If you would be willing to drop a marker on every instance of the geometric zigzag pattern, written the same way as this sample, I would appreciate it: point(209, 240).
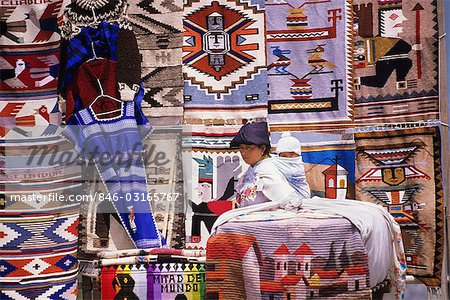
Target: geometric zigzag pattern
point(383, 195)
point(158, 28)
point(30, 233)
point(157, 268)
point(435, 279)
point(20, 268)
point(155, 17)
point(393, 155)
point(58, 290)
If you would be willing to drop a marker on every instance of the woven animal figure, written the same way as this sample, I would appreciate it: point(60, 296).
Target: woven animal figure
point(47, 22)
point(9, 29)
point(9, 74)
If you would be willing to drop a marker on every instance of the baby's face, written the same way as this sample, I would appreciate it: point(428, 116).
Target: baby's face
point(288, 154)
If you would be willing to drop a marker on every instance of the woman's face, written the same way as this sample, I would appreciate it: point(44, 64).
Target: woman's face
point(252, 153)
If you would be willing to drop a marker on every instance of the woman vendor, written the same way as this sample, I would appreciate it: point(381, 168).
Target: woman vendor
point(264, 180)
point(266, 187)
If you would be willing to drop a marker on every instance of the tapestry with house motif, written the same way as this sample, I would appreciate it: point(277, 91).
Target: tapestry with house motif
point(309, 62)
point(395, 60)
point(285, 258)
point(401, 170)
point(329, 160)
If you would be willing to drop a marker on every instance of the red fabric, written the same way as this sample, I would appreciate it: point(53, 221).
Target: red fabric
point(108, 274)
point(85, 87)
point(220, 207)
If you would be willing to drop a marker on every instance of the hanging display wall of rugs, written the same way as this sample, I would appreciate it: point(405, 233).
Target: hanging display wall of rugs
point(395, 60)
point(38, 229)
point(320, 68)
point(401, 170)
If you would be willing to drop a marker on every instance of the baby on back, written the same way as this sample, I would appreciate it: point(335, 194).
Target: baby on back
point(290, 163)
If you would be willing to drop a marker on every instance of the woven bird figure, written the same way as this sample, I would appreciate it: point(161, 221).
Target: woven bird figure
point(47, 22)
point(9, 74)
point(282, 62)
point(46, 74)
point(43, 112)
point(7, 29)
point(10, 121)
point(317, 61)
point(51, 118)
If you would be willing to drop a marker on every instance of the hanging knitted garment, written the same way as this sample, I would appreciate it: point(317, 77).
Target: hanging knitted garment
point(85, 87)
point(123, 173)
point(101, 39)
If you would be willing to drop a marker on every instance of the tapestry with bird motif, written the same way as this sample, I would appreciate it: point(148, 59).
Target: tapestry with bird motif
point(30, 22)
point(309, 62)
point(28, 70)
point(224, 60)
point(29, 119)
point(401, 170)
point(395, 60)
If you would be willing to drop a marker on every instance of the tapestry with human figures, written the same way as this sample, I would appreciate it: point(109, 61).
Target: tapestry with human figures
point(224, 61)
point(309, 62)
point(158, 281)
point(395, 60)
point(401, 170)
point(210, 176)
point(329, 160)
